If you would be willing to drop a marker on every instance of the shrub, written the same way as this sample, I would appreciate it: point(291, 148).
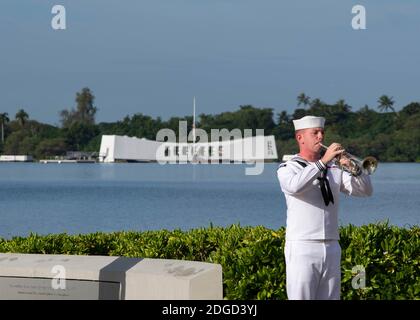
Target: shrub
point(252, 257)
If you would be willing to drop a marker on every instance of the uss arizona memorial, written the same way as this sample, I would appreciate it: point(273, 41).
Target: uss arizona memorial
point(131, 149)
point(116, 148)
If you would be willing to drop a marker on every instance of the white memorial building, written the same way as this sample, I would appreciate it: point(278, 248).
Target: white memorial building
point(226, 148)
point(131, 149)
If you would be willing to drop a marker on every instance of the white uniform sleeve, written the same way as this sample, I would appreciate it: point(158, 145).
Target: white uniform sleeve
point(294, 179)
point(360, 186)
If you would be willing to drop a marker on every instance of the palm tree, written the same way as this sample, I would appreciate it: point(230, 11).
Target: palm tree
point(21, 116)
point(342, 105)
point(386, 103)
point(303, 99)
point(316, 103)
point(3, 120)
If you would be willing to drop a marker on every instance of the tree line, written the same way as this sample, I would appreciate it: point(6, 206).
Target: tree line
point(383, 132)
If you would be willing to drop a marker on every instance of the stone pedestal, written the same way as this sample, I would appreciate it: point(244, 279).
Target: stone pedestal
point(44, 276)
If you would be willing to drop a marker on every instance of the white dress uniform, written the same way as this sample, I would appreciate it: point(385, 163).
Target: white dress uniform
point(312, 251)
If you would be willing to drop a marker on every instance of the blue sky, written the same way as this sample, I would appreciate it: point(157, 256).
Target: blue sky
point(154, 56)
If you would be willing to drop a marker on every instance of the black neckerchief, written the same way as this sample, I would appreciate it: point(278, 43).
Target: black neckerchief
point(323, 182)
point(325, 188)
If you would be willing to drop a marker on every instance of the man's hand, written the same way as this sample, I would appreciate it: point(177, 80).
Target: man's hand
point(333, 151)
point(345, 162)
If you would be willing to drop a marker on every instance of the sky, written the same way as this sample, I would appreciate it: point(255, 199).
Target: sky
point(154, 56)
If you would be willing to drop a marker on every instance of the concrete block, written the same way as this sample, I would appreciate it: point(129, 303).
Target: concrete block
point(44, 276)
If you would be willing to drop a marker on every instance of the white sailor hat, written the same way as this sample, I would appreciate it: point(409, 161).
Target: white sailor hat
point(309, 122)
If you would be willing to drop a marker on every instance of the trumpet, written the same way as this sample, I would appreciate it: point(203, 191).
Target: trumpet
point(356, 166)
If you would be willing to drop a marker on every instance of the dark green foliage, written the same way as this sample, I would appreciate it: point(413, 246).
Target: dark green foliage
point(21, 116)
point(391, 136)
point(247, 117)
point(78, 135)
point(252, 257)
point(391, 257)
point(27, 138)
point(50, 148)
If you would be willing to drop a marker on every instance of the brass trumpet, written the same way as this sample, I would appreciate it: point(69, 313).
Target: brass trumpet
point(356, 165)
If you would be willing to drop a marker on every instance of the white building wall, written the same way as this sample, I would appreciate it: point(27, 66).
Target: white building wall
point(258, 148)
point(106, 151)
point(131, 148)
point(16, 158)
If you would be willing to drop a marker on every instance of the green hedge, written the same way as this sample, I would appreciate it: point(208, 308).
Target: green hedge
point(252, 257)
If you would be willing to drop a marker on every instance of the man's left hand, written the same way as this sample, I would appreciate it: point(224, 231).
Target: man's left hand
point(344, 161)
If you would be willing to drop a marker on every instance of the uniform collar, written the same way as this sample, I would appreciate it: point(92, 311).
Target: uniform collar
point(298, 157)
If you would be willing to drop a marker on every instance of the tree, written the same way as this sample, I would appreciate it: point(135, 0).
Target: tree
point(386, 103)
point(79, 134)
point(21, 116)
point(3, 120)
point(338, 112)
point(411, 109)
point(317, 104)
point(303, 99)
point(299, 113)
point(85, 107)
point(249, 117)
point(13, 142)
point(284, 129)
point(342, 106)
point(364, 117)
point(85, 110)
point(283, 118)
point(51, 147)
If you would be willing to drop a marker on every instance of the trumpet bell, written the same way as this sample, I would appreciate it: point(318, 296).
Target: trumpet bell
point(369, 164)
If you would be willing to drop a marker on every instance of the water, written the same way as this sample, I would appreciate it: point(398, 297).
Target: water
point(83, 198)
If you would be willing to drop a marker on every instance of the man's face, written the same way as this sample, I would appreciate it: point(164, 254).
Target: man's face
point(310, 138)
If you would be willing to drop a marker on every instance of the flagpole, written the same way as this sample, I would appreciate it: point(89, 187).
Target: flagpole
point(193, 124)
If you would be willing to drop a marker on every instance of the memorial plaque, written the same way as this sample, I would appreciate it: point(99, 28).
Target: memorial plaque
point(21, 288)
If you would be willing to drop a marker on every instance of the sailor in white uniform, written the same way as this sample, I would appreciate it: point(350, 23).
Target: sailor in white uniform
point(311, 185)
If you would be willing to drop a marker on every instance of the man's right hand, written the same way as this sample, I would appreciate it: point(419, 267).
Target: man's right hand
point(333, 151)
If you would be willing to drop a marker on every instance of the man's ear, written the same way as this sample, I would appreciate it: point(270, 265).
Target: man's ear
point(298, 135)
